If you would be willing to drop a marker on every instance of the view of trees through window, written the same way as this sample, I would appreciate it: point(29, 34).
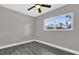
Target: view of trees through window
point(61, 22)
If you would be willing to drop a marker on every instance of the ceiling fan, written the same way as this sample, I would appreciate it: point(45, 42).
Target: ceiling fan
point(38, 7)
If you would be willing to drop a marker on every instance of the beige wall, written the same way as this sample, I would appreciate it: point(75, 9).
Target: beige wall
point(67, 39)
point(15, 27)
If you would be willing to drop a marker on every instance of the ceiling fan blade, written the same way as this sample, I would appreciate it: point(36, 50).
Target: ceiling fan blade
point(39, 10)
point(44, 5)
point(31, 8)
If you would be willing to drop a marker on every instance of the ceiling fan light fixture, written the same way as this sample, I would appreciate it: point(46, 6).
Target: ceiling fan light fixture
point(38, 6)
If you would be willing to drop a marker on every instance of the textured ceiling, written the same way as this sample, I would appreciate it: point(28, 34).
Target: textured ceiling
point(22, 8)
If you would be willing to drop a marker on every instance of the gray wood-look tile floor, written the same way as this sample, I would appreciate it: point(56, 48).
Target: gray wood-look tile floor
point(33, 48)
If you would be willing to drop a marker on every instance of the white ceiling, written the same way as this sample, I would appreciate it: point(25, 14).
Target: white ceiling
point(22, 8)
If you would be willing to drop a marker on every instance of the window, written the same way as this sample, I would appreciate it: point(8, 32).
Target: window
point(62, 22)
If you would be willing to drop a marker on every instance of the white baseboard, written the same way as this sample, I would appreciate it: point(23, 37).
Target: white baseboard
point(15, 44)
point(59, 47)
point(49, 44)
